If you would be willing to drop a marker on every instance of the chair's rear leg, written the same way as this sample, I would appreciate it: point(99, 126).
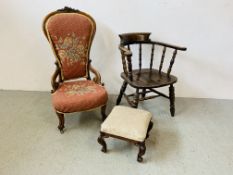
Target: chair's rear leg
point(136, 98)
point(143, 93)
point(61, 122)
point(172, 99)
point(103, 110)
point(123, 87)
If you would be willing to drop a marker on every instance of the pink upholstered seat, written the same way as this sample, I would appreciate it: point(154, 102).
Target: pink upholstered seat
point(79, 96)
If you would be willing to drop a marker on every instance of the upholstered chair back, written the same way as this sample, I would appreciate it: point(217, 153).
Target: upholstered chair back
point(70, 34)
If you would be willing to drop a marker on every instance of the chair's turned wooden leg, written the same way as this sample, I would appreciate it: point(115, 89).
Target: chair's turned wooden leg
point(61, 122)
point(142, 150)
point(102, 142)
point(172, 99)
point(123, 87)
point(103, 109)
point(136, 98)
point(149, 129)
point(143, 93)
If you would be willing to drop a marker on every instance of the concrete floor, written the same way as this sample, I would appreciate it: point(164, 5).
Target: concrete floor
point(199, 140)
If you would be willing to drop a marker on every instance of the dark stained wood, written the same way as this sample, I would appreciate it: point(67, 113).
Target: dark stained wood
point(68, 10)
point(128, 46)
point(152, 56)
point(168, 45)
point(129, 67)
point(124, 64)
point(172, 99)
point(61, 125)
point(146, 79)
point(143, 93)
point(149, 129)
point(122, 91)
point(159, 93)
point(141, 145)
point(136, 38)
point(171, 63)
point(102, 142)
point(131, 102)
point(162, 60)
point(103, 112)
point(142, 150)
point(129, 38)
point(140, 57)
point(136, 98)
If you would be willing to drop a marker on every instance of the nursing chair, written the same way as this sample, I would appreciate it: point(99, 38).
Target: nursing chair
point(146, 78)
point(70, 33)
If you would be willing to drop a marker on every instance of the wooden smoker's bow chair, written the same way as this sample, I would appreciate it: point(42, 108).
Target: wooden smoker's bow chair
point(70, 33)
point(145, 80)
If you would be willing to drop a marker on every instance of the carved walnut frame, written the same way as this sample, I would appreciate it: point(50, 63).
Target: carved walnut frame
point(141, 145)
point(57, 77)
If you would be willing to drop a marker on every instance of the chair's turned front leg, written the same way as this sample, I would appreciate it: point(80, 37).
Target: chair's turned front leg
point(142, 150)
point(172, 99)
point(102, 142)
point(61, 122)
point(103, 110)
point(122, 91)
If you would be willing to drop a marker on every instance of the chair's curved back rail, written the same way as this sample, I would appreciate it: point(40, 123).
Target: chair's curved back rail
point(141, 39)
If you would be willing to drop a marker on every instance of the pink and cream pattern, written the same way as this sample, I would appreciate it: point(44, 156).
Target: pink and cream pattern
point(79, 96)
point(71, 42)
point(71, 49)
point(78, 89)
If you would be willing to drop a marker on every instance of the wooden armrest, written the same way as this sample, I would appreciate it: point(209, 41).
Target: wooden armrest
point(55, 75)
point(169, 45)
point(127, 52)
point(127, 65)
point(97, 78)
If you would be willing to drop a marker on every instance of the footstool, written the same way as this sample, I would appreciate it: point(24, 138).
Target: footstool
point(127, 124)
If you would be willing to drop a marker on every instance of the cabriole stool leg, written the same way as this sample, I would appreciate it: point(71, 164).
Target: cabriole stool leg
point(149, 129)
point(142, 150)
point(102, 142)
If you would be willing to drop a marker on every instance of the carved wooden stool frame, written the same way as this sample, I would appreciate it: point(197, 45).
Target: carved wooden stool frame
point(141, 145)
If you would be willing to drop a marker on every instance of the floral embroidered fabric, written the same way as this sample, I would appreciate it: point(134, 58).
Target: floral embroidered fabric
point(79, 89)
point(71, 49)
point(71, 36)
point(79, 96)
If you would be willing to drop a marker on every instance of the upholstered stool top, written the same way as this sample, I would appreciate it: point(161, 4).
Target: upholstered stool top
point(127, 122)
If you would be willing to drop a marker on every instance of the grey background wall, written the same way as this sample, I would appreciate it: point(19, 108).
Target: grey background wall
point(204, 26)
